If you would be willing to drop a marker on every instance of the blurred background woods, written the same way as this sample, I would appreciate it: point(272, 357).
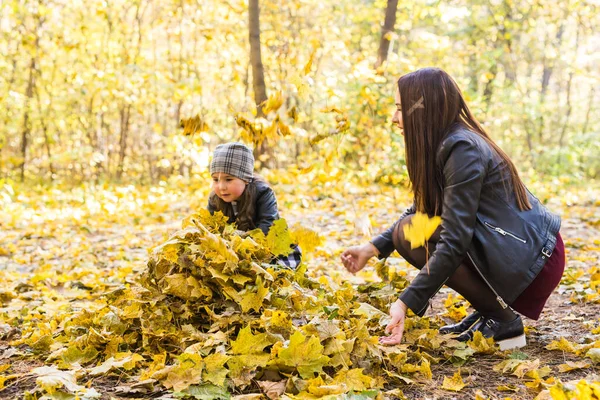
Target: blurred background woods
point(97, 89)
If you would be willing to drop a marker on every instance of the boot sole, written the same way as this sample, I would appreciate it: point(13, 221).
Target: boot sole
point(513, 343)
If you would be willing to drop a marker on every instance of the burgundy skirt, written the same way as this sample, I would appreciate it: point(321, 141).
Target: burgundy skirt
point(531, 302)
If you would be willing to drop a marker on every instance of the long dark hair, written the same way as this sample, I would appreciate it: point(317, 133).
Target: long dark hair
point(245, 205)
point(432, 105)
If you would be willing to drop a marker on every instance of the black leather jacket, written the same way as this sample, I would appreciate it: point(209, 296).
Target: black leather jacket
point(480, 221)
point(265, 207)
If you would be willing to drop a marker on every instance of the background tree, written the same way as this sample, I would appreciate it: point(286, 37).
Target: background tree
point(387, 31)
point(99, 96)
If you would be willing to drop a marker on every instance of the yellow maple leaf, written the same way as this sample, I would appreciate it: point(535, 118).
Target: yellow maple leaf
point(247, 343)
point(279, 321)
point(270, 131)
point(193, 125)
point(273, 103)
point(307, 239)
point(213, 222)
point(455, 383)
point(254, 300)
point(215, 370)
point(185, 287)
point(278, 239)
point(169, 252)
point(572, 365)
point(216, 249)
point(187, 372)
point(557, 392)
point(420, 229)
point(481, 344)
point(455, 308)
point(562, 344)
point(354, 379)
point(247, 352)
point(301, 85)
point(306, 355)
point(158, 363)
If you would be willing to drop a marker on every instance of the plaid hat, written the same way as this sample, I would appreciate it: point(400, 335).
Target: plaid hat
point(235, 159)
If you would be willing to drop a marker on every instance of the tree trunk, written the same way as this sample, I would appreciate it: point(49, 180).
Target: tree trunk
point(258, 74)
point(568, 114)
point(26, 124)
point(569, 85)
point(546, 75)
point(388, 27)
point(589, 111)
point(7, 113)
point(125, 111)
point(488, 91)
point(45, 131)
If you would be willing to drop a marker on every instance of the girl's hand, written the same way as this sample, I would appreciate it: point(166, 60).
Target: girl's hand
point(395, 327)
point(355, 258)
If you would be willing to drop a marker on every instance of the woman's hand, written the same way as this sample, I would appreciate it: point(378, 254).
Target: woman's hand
point(395, 327)
point(355, 258)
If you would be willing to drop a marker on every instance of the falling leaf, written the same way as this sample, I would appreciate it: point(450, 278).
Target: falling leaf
point(293, 113)
point(273, 103)
point(420, 229)
point(193, 125)
point(308, 65)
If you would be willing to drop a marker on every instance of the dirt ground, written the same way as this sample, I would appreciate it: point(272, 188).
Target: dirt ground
point(340, 223)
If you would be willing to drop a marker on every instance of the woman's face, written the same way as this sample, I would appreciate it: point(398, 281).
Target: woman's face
point(397, 118)
point(228, 187)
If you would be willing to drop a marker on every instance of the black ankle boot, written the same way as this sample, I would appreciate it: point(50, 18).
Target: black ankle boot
point(508, 335)
point(463, 325)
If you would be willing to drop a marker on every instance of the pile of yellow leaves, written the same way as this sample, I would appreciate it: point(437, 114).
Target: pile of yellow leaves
point(213, 315)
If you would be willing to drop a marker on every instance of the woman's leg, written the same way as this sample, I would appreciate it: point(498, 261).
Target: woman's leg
point(465, 279)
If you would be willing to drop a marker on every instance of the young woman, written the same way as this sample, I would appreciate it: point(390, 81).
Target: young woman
point(497, 245)
point(241, 196)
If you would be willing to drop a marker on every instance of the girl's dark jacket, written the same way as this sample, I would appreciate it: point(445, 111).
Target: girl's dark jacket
point(481, 222)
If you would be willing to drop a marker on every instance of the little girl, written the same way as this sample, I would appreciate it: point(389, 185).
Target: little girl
point(241, 196)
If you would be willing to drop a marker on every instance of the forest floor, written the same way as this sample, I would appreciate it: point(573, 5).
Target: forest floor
point(101, 236)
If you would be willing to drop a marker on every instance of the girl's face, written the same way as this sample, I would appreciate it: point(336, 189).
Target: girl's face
point(397, 118)
point(228, 187)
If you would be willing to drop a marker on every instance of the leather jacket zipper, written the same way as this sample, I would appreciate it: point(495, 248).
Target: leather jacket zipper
point(498, 298)
point(503, 232)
